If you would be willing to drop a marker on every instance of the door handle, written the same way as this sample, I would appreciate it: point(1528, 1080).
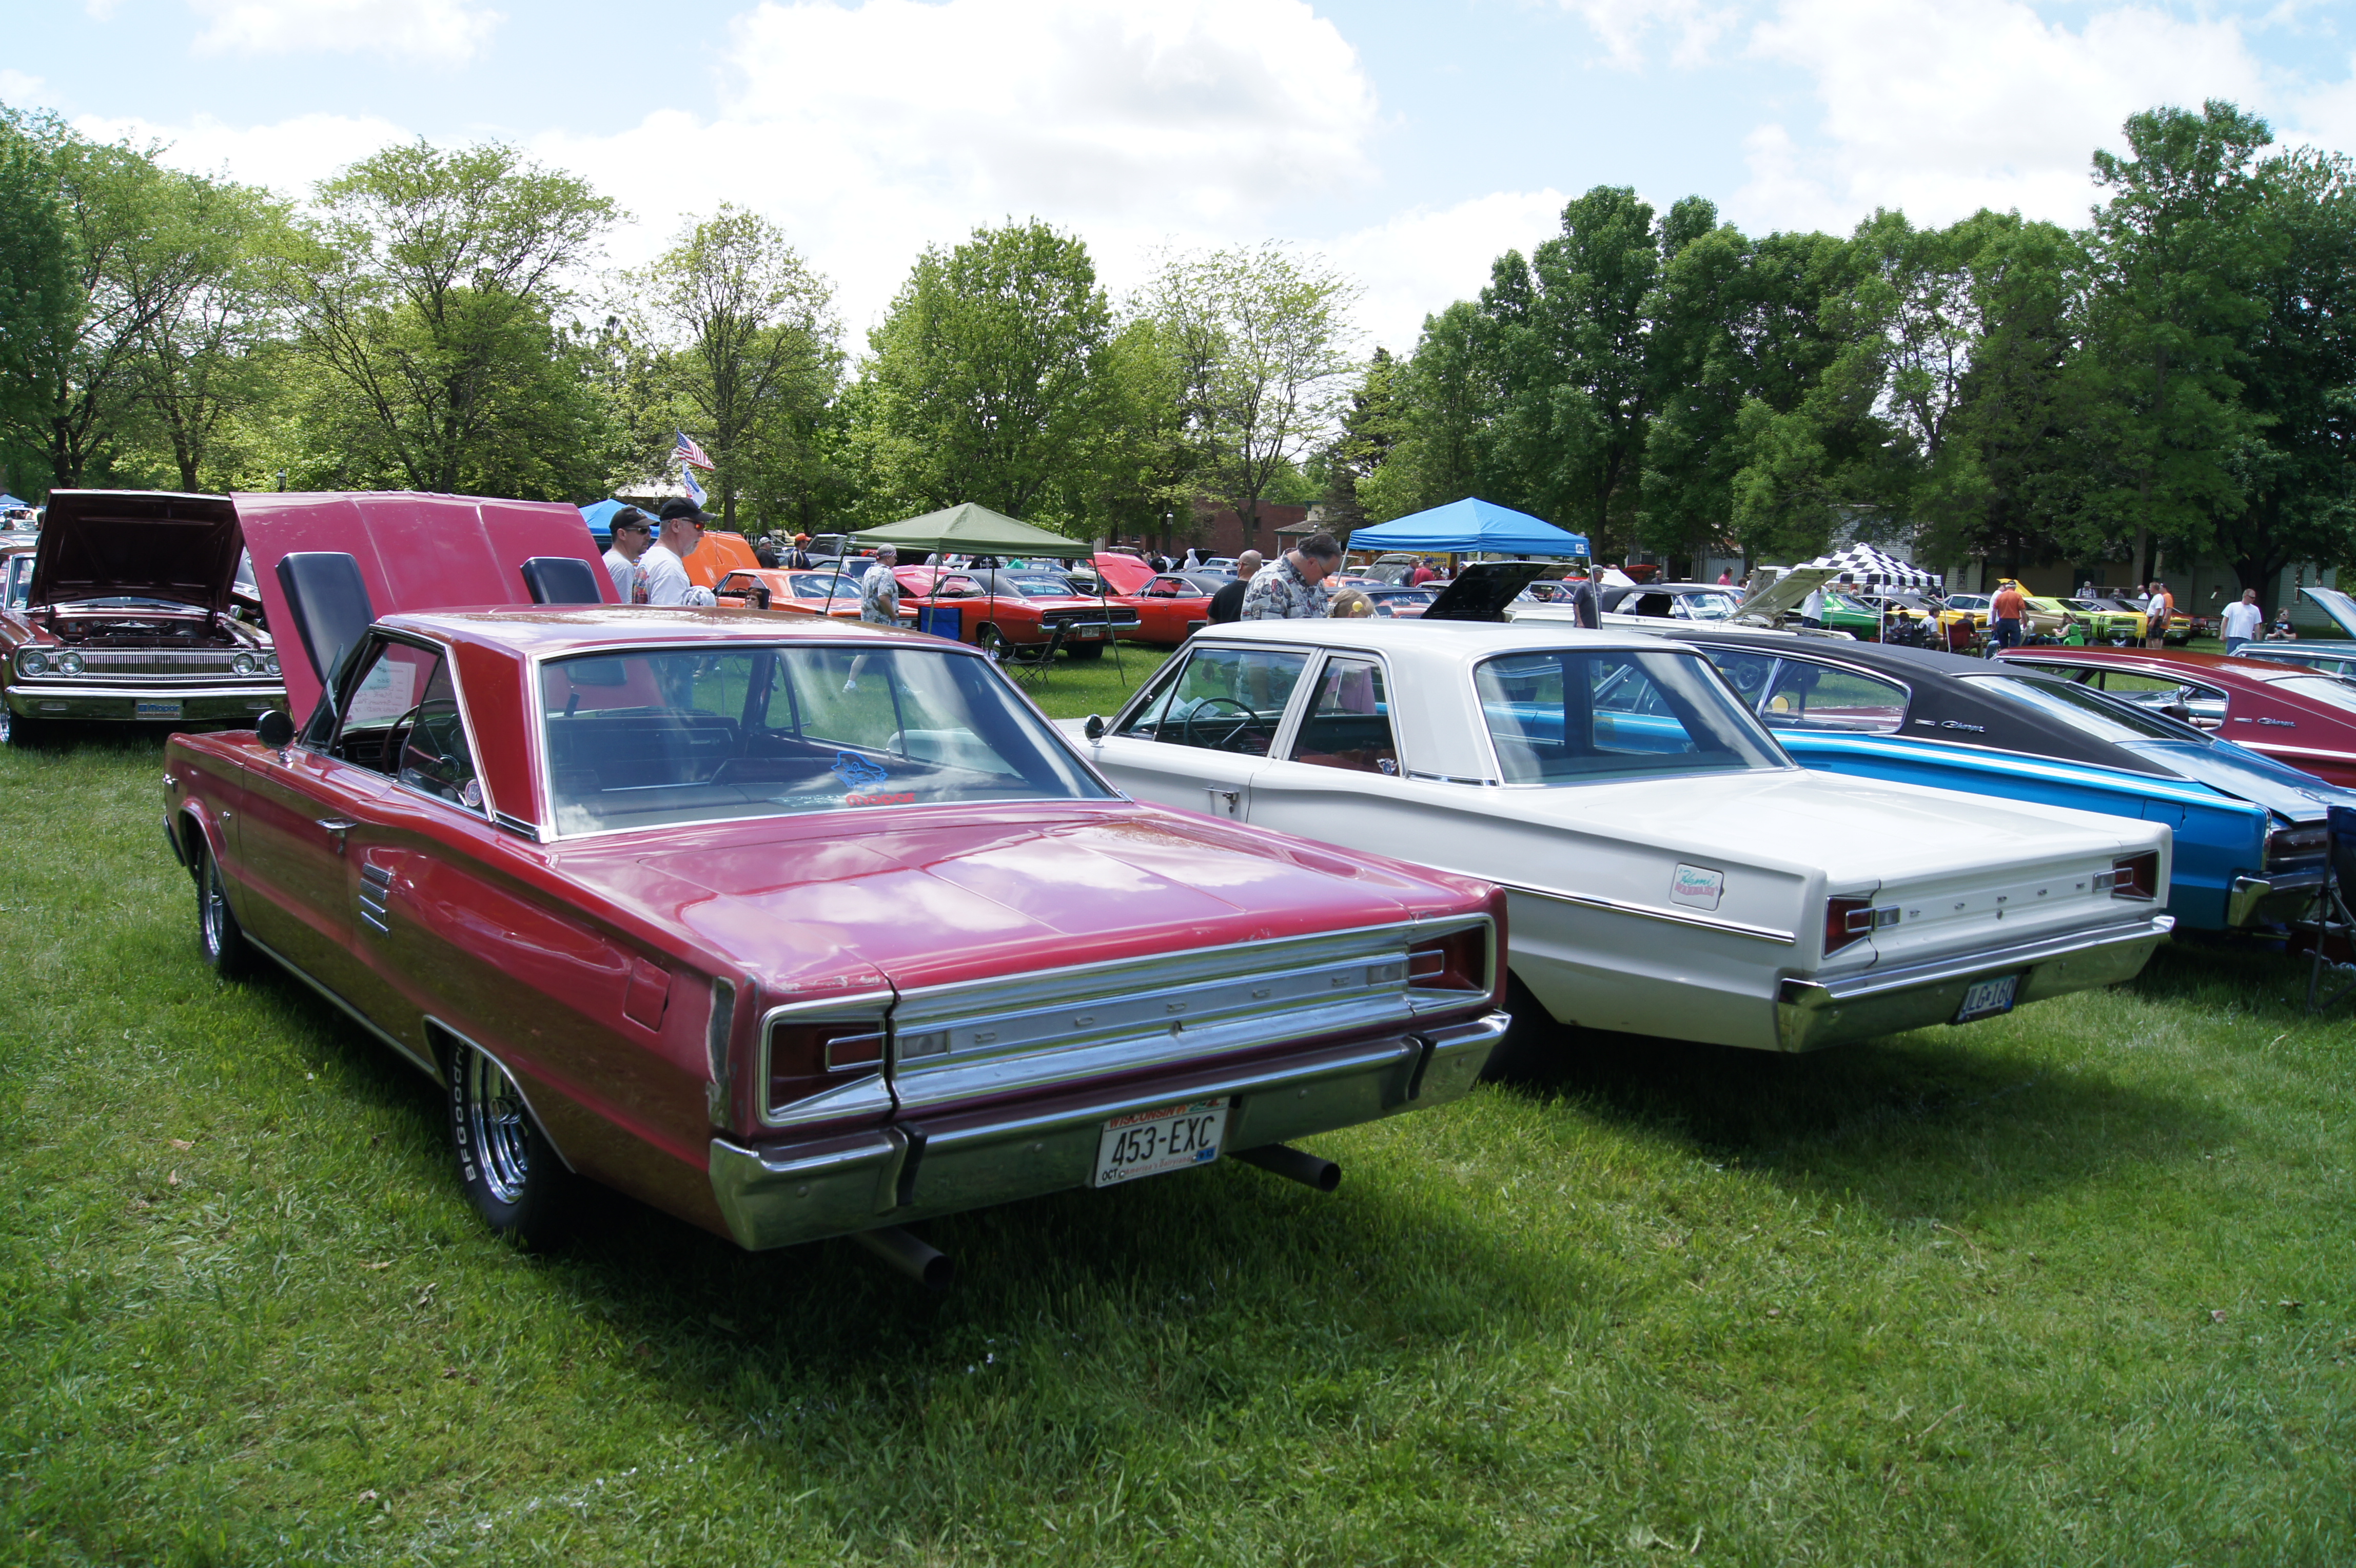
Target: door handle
point(1224, 798)
point(336, 829)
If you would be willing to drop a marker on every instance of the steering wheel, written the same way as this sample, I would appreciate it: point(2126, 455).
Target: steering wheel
point(1245, 719)
point(396, 739)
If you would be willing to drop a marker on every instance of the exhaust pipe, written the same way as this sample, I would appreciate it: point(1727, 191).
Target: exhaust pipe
point(929, 1267)
point(1294, 1165)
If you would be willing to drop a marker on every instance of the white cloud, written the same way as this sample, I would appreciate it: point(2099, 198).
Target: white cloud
point(870, 132)
point(1944, 106)
point(17, 90)
point(1623, 26)
point(288, 156)
point(449, 30)
point(1418, 261)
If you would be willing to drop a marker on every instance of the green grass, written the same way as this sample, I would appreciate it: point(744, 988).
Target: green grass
point(2073, 1286)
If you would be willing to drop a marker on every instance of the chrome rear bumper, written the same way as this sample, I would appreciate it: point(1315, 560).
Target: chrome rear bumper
point(1810, 1013)
point(2274, 900)
point(778, 1196)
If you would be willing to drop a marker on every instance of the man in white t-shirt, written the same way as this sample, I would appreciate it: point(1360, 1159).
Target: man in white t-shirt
point(632, 534)
point(2156, 615)
point(2242, 621)
point(664, 563)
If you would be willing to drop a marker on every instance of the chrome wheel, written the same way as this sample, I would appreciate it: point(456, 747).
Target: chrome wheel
point(212, 912)
point(991, 641)
point(497, 1128)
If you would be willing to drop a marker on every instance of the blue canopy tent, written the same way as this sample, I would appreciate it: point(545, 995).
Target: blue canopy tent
point(599, 516)
point(12, 501)
point(1471, 527)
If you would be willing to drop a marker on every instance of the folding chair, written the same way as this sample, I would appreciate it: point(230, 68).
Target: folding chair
point(1027, 664)
point(2334, 920)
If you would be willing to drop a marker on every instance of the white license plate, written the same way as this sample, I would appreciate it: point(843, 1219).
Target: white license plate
point(146, 708)
point(1989, 997)
point(1166, 1138)
point(1086, 632)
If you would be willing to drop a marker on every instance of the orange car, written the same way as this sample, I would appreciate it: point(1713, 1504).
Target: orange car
point(804, 591)
point(719, 554)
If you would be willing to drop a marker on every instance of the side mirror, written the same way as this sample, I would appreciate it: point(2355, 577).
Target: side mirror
point(1094, 730)
point(275, 729)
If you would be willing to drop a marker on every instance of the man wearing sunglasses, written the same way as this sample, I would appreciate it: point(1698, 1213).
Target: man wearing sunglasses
point(664, 563)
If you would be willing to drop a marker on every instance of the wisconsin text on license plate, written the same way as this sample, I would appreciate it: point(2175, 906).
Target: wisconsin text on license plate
point(1985, 998)
point(150, 708)
point(1165, 1138)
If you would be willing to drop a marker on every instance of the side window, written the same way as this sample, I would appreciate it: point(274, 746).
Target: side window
point(1349, 724)
point(399, 715)
point(1745, 671)
point(1816, 696)
point(1162, 588)
point(1222, 699)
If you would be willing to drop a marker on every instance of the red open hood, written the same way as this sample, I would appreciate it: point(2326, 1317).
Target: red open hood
point(158, 545)
point(415, 551)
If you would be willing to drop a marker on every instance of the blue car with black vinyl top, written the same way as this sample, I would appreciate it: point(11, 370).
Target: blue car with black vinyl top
point(2250, 832)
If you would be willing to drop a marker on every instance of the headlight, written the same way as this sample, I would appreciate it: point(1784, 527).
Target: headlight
point(242, 664)
point(270, 663)
point(69, 663)
point(32, 662)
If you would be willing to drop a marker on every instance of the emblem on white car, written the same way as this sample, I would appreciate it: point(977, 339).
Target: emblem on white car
point(1696, 885)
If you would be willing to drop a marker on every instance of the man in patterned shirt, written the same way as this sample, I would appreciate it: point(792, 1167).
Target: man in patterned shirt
point(1287, 588)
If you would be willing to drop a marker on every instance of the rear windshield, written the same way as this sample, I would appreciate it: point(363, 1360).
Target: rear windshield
point(1567, 715)
point(641, 739)
point(2329, 688)
point(2088, 712)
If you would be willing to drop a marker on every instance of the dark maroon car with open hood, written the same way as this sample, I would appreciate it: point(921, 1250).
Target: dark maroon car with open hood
point(131, 616)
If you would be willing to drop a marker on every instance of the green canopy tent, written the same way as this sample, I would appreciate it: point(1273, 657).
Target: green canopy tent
point(972, 529)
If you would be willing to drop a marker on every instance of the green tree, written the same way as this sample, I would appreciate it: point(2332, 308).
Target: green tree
point(1444, 398)
point(38, 301)
point(752, 354)
point(2179, 254)
point(1369, 432)
point(986, 377)
point(1264, 338)
point(428, 303)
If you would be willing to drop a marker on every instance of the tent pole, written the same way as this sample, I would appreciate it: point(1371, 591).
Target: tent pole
point(1118, 672)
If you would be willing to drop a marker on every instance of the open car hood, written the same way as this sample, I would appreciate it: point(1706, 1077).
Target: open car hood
point(1482, 590)
point(415, 553)
point(156, 544)
point(1782, 596)
point(2337, 605)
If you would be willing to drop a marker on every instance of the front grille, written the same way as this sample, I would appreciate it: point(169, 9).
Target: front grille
point(209, 662)
point(1032, 1032)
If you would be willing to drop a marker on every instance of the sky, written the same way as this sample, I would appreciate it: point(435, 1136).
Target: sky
point(1408, 145)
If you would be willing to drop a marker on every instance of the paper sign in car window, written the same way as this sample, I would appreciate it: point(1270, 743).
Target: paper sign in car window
point(385, 691)
point(1696, 886)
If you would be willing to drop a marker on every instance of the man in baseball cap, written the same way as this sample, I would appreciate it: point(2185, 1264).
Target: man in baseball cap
point(664, 562)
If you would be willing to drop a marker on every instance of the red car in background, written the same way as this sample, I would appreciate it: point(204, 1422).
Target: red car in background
point(799, 591)
point(1174, 606)
point(998, 610)
point(2300, 717)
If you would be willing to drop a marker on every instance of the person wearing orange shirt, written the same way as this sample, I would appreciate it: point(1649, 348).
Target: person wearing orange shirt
point(2005, 612)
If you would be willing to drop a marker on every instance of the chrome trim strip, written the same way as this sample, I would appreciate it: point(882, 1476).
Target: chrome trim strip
point(55, 692)
point(1642, 911)
point(429, 1068)
point(1820, 992)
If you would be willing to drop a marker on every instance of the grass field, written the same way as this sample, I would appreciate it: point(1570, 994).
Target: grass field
point(2073, 1286)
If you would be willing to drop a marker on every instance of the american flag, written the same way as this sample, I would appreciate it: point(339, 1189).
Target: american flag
point(688, 454)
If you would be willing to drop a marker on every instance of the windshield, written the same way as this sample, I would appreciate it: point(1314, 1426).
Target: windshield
point(1567, 715)
point(19, 581)
point(1707, 607)
point(2090, 713)
point(823, 585)
point(691, 736)
point(1967, 602)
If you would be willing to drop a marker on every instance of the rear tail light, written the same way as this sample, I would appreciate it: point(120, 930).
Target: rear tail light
point(1850, 920)
point(1457, 961)
point(2137, 876)
point(2288, 846)
point(809, 1054)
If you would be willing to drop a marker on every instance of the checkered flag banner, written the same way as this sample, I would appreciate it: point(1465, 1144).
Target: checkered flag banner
point(1867, 566)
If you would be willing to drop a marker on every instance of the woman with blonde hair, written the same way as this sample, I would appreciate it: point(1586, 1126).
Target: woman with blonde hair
point(1349, 603)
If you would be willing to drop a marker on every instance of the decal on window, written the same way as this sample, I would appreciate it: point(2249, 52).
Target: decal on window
point(856, 770)
point(1696, 885)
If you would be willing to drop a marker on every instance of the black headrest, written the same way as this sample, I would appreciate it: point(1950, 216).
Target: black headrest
point(329, 602)
point(562, 580)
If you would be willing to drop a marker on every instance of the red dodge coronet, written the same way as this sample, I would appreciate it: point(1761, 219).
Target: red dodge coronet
point(790, 928)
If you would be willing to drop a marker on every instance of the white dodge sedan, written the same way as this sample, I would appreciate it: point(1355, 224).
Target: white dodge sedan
point(1671, 871)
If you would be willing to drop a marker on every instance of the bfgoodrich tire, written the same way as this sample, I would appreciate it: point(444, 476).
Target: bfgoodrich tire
point(226, 950)
point(509, 1169)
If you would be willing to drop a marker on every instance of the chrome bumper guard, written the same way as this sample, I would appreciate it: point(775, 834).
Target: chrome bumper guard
point(1811, 1014)
point(2274, 900)
point(777, 1196)
point(198, 705)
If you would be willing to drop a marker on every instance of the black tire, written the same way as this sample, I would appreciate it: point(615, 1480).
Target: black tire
point(20, 732)
point(1085, 651)
point(509, 1169)
point(992, 641)
point(1533, 1044)
point(222, 939)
